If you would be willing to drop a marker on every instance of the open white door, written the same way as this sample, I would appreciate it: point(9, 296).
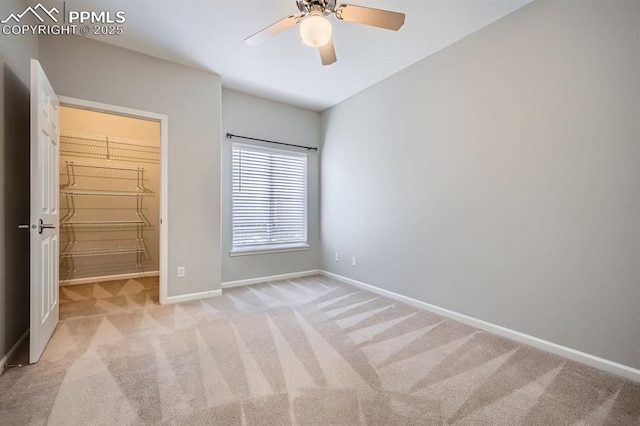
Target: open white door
point(44, 222)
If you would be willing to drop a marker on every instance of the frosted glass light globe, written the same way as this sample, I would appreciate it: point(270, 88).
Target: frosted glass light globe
point(315, 30)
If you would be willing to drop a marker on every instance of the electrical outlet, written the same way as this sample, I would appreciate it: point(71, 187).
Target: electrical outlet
point(181, 271)
point(354, 261)
point(337, 257)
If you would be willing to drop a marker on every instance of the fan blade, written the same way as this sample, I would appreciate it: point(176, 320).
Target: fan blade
point(271, 30)
point(369, 16)
point(328, 53)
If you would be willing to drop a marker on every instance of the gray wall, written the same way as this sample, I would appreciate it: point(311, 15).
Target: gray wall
point(248, 115)
point(15, 53)
point(87, 69)
point(500, 177)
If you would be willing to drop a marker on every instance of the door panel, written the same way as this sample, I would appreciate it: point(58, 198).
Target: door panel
point(44, 210)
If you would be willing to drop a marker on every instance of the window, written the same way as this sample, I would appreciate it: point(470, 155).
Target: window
point(269, 199)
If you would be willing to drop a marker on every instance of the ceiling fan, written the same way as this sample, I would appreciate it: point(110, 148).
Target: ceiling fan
point(316, 29)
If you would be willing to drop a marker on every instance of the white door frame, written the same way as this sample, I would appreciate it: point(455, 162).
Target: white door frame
point(164, 180)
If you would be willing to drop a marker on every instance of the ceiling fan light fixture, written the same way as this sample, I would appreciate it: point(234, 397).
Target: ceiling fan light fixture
point(315, 29)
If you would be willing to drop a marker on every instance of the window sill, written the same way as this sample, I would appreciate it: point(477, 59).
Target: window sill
point(269, 249)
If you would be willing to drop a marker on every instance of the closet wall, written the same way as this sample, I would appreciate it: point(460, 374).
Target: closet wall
point(109, 195)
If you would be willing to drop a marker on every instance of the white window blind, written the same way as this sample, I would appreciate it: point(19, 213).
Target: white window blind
point(269, 197)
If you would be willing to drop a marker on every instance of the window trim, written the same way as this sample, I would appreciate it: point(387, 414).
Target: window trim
point(266, 249)
point(276, 247)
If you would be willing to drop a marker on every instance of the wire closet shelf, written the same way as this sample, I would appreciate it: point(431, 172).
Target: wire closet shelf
point(105, 200)
point(108, 148)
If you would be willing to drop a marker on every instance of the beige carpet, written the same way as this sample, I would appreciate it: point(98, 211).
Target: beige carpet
point(306, 351)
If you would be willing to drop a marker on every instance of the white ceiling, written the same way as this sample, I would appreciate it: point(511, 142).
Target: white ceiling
point(209, 34)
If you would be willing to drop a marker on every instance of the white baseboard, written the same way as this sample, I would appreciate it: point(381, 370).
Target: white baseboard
point(544, 345)
point(77, 281)
point(191, 296)
point(239, 283)
point(3, 361)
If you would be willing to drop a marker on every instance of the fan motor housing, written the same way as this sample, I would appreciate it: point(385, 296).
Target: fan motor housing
point(306, 6)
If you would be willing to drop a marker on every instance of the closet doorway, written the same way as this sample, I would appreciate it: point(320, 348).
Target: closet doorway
point(113, 219)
